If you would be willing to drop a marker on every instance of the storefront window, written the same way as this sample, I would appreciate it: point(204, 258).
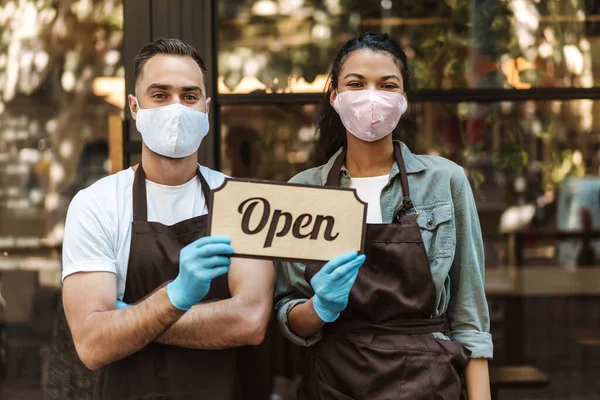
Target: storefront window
point(288, 45)
point(56, 66)
point(59, 64)
point(524, 160)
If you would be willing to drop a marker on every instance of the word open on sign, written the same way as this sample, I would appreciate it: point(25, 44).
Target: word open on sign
point(287, 221)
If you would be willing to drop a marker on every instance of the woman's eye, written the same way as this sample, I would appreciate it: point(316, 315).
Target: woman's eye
point(355, 84)
point(390, 86)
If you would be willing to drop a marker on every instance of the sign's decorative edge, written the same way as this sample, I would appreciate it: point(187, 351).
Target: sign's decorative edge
point(289, 259)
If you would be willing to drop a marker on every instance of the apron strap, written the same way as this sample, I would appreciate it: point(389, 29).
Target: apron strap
point(140, 205)
point(333, 178)
point(407, 203)
point(205, 189)
point(140, 202)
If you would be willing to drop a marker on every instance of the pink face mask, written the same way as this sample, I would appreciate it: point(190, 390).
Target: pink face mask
point(370, 114)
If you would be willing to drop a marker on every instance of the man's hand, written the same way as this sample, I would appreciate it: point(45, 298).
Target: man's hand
point(237, 321)
point(200, 262)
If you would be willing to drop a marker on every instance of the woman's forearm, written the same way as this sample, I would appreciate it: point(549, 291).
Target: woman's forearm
point(478, 379)
point(304, 320)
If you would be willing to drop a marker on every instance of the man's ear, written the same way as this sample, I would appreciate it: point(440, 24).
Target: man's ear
point(208, 101)
point(133, 105)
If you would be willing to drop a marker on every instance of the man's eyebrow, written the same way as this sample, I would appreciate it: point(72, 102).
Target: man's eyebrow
point(386, 77)
point(359, 76)
point(159, 86)
point(191, 89)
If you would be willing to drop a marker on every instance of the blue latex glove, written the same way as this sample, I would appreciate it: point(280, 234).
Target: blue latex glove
point(332, 285)
point(199, 263)
point(121, 305)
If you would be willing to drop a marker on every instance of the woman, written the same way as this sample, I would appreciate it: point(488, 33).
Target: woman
point(412, 322)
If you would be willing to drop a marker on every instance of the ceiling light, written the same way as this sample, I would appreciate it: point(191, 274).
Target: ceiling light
point(265, 8)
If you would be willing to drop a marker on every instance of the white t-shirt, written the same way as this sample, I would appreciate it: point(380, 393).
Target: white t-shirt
point(369, 191)
point(98, 228)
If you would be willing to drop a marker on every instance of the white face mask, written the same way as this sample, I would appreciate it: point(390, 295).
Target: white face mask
point(174, 131)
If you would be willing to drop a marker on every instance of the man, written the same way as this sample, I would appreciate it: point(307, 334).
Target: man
point(151, 301)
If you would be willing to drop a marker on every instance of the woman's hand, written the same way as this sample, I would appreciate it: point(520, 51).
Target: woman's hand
point(332, 285)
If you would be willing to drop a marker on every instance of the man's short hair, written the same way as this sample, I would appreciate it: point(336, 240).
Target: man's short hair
point(173, 47)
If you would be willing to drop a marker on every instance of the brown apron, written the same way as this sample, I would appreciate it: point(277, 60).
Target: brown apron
point(382, 345)
point(159, 371)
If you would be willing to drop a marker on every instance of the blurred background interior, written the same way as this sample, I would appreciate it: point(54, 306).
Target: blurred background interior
point(509, 89)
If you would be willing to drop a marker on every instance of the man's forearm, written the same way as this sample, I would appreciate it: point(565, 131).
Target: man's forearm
point(108, 336)
point(218, 325)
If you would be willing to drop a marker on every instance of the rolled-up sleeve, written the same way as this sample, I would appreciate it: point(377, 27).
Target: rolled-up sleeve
point(292, 289)
point(468, 313)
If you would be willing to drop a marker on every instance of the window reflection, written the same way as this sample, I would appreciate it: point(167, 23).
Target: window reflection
point(60, 67)
point(288, 45)
point(267, 142)
point(522, 158)
point(52, 65)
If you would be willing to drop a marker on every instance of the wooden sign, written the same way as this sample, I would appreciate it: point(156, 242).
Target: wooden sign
point(287, 221)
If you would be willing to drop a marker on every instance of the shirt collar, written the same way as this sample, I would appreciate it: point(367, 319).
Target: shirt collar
point(411, 162)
